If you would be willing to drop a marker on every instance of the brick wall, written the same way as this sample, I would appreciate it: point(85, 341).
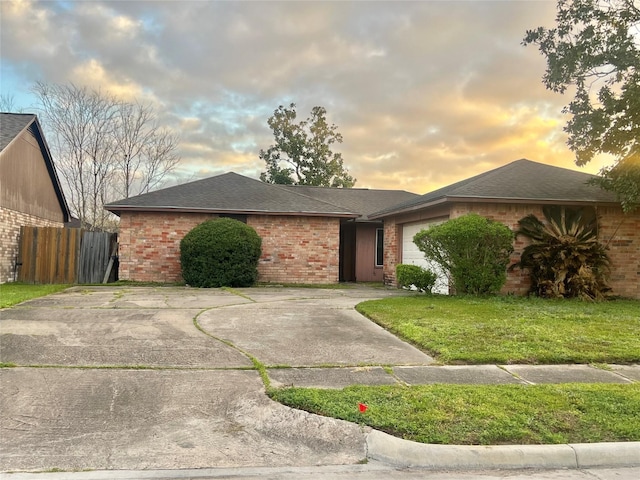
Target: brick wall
point(621, 233)
point(298, 249)
point(392, 239)
point(150, 244)
point(10, 223)
point(294, 249)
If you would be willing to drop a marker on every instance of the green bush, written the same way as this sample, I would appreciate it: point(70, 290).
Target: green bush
point(473, 249)
point(421, 278)
point(220, 253)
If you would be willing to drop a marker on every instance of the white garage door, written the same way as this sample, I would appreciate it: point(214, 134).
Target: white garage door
point(413, 256)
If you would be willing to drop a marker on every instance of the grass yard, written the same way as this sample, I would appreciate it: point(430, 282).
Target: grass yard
point(14, 293)
point(508, 330)
point(483, 415)
point(500, 330)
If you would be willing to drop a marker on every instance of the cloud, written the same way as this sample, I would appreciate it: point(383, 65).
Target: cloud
point(424, 93)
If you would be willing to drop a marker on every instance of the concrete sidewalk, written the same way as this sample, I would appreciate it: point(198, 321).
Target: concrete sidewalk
point(458, 374)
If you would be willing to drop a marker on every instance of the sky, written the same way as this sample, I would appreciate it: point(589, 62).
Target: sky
point(424, 93)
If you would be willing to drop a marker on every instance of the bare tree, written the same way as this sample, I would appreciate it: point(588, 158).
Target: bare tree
point(146, 153)
point(8, 103)
point(80, 126)
point(104, 148)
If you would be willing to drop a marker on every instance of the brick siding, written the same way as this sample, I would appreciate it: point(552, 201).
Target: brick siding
point(392, 239)
point(298, 249)
point(621, 233)
point(294, 249)
point(149, 244)
point(10, 223)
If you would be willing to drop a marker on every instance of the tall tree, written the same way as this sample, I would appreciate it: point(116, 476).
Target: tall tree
point(104, 148)
point(595, 47)
point(80, 130)
point(302, 152)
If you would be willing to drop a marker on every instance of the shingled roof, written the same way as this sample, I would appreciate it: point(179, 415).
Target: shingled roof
point(362, 200)
point(231, 193)
point(11, 124)
point(519, 181)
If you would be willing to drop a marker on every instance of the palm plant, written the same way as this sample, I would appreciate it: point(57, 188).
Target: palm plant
point(564, 258)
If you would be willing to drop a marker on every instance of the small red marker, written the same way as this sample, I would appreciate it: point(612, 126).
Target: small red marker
point(362, 407)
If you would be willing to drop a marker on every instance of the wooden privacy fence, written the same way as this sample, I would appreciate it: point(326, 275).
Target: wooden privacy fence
point(65, 255)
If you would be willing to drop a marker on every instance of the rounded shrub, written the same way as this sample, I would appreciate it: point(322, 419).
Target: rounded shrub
point(413, 275)
point(220, 253)
point(474, 250)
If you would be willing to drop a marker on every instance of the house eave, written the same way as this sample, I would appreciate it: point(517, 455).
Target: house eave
point(118, 209)
point(42, 142)
point(410, 209)
point(538, 201)
point(511, 200)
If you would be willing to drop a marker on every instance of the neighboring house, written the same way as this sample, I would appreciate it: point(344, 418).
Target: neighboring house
point(508, 194)
point(30, 192)
point(309, 234)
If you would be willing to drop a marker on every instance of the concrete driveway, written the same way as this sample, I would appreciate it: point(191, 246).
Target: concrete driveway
point(161, 378)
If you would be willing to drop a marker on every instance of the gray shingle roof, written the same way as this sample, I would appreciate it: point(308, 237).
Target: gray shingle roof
point(11, 124)
point(362, 200)
point(521, 180)
point(231, 193)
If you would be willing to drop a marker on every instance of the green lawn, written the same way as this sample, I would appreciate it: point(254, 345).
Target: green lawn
point(483, 415)
point(13, 293)
point(508, 330)
point(497, 330)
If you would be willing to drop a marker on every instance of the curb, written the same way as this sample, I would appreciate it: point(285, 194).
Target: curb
point(406, 453)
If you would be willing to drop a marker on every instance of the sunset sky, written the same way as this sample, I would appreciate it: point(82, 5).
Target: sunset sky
point(424, 93)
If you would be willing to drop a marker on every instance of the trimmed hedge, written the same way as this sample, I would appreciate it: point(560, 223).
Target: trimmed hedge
point(220, 253)
point(414, 275)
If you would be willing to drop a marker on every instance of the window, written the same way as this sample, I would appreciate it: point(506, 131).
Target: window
point(379, 247)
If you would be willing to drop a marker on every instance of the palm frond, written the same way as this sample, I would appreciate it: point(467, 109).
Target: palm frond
point(564, 257)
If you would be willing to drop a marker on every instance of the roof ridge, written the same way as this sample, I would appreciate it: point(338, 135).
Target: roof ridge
point(284, 188)
point(179, 185)
point(471, 187)
point(255, 194)
point(483, 175)
point(360, 189)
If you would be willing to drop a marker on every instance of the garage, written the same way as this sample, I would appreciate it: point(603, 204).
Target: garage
point(413, 256)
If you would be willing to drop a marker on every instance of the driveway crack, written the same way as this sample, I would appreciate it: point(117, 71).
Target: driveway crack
point(257, 364)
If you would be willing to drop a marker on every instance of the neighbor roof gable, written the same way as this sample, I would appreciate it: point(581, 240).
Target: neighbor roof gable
point(521, 180)
point(12, 126)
